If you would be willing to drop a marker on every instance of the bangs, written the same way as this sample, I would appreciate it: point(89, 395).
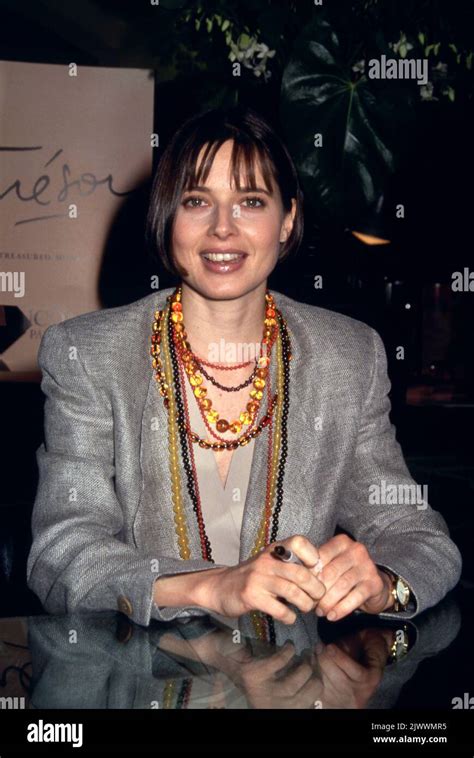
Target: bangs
point(257, 155)
point(245, 158)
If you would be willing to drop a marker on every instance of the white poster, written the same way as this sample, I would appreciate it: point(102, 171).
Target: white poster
point(75, 142)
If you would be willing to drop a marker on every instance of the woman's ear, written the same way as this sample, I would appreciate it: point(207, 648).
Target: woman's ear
point(288, 222)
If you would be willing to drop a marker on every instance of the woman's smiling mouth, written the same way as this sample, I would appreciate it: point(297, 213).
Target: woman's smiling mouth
point(223, 262)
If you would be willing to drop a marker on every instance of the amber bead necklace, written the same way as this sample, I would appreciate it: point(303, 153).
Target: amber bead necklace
point(172, 359)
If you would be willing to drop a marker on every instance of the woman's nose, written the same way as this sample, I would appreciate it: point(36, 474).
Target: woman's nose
point(224, 218)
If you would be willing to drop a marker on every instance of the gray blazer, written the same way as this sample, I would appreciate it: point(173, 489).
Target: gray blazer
point(103, 526)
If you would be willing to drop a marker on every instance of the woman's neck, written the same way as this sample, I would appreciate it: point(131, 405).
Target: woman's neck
point(236, 322)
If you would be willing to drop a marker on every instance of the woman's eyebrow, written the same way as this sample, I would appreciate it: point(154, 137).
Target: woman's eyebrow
point(257, 189)
point(241, 191)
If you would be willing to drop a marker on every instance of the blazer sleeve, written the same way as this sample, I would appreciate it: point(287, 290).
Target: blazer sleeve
point(78, 561)
point(410, 539)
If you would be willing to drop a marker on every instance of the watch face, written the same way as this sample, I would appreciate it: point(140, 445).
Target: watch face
point(403, 592)
point(401, 647)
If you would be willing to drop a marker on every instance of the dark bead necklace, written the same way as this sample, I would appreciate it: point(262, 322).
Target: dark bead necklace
point(185, 442)
point(221, 386)
point(183, 436)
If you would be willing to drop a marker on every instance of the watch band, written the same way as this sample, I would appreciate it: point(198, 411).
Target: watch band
point(400, 591)
point(400, 644)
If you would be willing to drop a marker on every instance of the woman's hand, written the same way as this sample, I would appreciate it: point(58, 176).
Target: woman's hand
point(352, 580)
point(266, 584)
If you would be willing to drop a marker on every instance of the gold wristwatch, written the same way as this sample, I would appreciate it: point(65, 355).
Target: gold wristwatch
point(400, 645)
point(400, 591)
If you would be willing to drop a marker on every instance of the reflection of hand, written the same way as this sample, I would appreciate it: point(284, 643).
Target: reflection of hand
point(352, 580)
point(211, 649)
point(342, 675)
point(266, 684)
point(259, 678)
point(352, 669)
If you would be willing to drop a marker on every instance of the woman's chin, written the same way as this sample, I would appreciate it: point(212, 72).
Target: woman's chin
point(214, 288)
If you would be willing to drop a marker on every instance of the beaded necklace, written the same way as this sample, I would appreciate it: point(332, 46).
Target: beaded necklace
point(172, 357)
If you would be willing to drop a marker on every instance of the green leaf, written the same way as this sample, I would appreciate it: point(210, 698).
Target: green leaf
point(363, 124)
point(209, 25)
point(244, 40)
point(436, 48)
point(421, 38)
point(403, 50)
point(225, 25)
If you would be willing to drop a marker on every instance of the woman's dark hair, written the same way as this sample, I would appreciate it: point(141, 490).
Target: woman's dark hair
point(176, 172)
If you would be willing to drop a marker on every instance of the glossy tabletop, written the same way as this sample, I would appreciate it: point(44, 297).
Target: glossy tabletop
point(102, 660)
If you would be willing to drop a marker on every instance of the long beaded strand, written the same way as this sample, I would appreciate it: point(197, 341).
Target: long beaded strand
point(171, 391)
point(284, 392)
point(190, 468)
point(179, 518)
point(268, 630)
point(261, 538)
point(176, 494)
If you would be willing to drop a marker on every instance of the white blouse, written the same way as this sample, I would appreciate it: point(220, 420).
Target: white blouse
point(222, 507)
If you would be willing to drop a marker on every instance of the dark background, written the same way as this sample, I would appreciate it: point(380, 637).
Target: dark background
point(433, 387)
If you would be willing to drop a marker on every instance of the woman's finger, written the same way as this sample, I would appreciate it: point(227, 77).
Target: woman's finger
point(300, 575)
point(342, 587)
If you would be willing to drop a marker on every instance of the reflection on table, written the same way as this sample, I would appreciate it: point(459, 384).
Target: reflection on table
point(102, 660)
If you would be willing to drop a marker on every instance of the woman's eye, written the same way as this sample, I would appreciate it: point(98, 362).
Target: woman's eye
point(190, 199)
point(255, 200)
point(192, 202)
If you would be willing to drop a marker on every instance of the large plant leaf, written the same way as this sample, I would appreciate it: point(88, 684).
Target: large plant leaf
point(363, 125)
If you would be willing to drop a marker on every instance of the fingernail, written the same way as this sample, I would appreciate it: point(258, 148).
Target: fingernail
point(319, 612)
point(318, 648)
point(332, 615)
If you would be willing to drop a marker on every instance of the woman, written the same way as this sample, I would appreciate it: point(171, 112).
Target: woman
point(190, 432)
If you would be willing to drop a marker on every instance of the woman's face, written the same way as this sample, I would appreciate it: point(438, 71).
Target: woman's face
point(217, 219)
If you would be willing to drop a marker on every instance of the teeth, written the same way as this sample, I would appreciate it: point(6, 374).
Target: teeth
point(217, 257)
